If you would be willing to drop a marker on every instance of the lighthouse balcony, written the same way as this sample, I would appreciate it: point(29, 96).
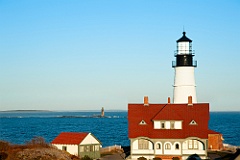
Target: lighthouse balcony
point(184, 52)
point(193, 64)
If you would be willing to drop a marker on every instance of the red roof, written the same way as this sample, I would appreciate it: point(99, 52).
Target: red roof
point(213, 132)
point(69, 138)
point(199, 112)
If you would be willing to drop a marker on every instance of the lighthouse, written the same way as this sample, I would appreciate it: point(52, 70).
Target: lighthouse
point(184, 81)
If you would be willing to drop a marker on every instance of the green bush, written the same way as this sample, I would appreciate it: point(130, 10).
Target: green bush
point(86, 158)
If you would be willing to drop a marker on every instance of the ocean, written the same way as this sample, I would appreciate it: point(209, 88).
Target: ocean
point(21, 127)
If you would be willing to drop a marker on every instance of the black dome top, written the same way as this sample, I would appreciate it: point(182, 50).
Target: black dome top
point(184, 38)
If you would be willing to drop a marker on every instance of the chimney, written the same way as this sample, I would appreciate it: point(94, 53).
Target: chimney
point(190, 101)
point(169, 100)
point(146, 101)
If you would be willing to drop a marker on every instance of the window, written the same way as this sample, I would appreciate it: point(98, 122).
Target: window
point(176, 146)
point(158, 146)
point(96, 147)
point(168, 146)
point(193, 122)
point(91, 148)
point(64, 148)
point(86, 148)
point(162, 125)
point(143, 144)
point(177, 124)
point(142, 123)
point(167, 124)
point(195, 144)
point(157, 125)
point(172, 125)
point(81, 148)
point(192, 144)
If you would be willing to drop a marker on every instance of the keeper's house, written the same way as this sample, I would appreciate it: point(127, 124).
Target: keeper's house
point(168, 130)
point(79, 144)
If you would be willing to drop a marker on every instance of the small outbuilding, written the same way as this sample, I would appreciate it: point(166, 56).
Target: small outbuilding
point(79, 144)
point(215, 140)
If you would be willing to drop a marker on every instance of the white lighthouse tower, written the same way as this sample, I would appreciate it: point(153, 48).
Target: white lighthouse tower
point(184, 82)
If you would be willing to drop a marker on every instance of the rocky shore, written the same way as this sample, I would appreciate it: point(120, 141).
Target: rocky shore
point(36, 149)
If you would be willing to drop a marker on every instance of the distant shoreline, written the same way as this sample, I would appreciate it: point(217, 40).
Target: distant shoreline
point(62, 111)
point(27, 111)
point(85, 111)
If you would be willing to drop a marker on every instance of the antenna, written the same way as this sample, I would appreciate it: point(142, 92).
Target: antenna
point(183, 29)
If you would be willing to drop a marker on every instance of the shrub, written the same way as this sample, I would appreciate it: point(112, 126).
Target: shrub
point(4, 146)
point(86, 158)
point(73, 157)
point(3, 155)
point(38, 142)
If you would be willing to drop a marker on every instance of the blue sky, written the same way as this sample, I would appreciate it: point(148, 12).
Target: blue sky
point(84, 55)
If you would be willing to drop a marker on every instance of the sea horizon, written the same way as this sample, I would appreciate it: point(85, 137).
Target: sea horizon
point(107, 110)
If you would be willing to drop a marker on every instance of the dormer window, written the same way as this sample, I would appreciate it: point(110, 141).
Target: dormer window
point(167, 124)
point(193, 122)
point(142, 122)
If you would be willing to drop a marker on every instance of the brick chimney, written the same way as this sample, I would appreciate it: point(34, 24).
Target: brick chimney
point(190, 101)
point(146, 101)
point(169, 100)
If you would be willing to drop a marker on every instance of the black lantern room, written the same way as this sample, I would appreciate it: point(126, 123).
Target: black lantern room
point(184, 53)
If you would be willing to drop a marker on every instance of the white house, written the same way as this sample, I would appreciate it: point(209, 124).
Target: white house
point(79, 144)
point(168, 131)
